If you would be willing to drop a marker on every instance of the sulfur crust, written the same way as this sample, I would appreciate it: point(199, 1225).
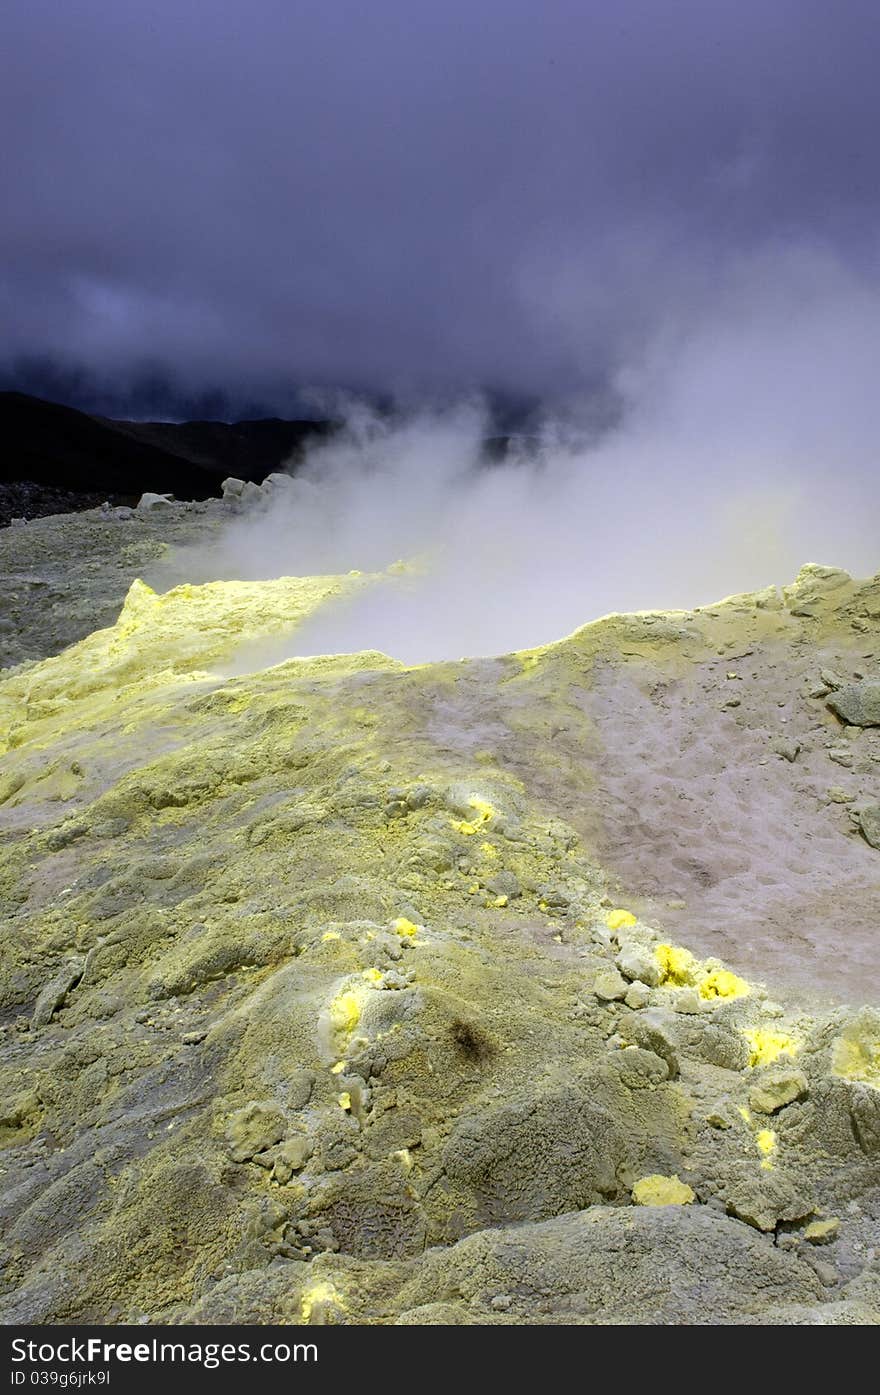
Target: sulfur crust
point(262, 904)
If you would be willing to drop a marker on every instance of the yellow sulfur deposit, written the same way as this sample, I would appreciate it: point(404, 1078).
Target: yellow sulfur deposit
point(484, 812)
point(821, 1232)
point(326, 1080)
point(619, 919)
point(405, 928)
point(658, 1190)
point(766, 1046)
point(721, 983)
point(345, 1012)
point(678, 967)
point(767, 1145)
point(316, 1300)
point(857, 1057)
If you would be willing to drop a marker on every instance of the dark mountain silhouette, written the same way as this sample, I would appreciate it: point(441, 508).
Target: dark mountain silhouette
point(63, 449)
point(55, 459)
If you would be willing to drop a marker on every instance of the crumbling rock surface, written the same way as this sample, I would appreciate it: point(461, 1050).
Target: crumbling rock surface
point(303, 1008)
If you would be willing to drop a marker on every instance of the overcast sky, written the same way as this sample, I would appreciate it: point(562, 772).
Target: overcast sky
point(414, 196)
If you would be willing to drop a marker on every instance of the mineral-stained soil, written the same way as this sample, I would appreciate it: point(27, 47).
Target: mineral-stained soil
point(351, 992)
point(66, 575)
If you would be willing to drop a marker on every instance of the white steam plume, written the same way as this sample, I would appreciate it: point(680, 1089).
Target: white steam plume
point(750, 444)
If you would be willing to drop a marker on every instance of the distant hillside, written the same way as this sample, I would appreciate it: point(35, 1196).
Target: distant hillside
point(54, 459)
point(62, 449)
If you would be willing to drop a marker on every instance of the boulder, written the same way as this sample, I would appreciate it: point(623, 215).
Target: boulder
point(869, 824)
point(609, 986)
point(54, 994)
point(857, 704)
point(776, 1089)
point(254, 1128)
point(154, 503)
point(276, 482)
point(638, 962)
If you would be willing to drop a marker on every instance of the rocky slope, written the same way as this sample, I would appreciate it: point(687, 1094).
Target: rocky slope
point(52, 452)
point(350, 992)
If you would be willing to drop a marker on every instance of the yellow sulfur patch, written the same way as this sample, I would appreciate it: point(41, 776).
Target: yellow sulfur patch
point(330, 935)
point(373, 975)
point(658, 1190)
point(315, 1300)
point(820, 1232)
point(488, 850)
point(765, 1046)
point(723, 984)
point(678, 967)
point(345, 1012)
point(500, 901)
point(766, 1141)
point(405, 928)
point(338, 1068)
point(345, 1100)
point(484, 812)
point(617, 920)
point(744, 1114)
point(857, 1058)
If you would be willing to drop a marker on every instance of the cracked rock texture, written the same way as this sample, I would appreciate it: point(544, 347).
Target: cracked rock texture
point(303, 1004)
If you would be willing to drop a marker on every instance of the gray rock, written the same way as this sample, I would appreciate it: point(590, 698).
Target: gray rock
point(154, 503)
point(788, 750)
point(253, 1129)
point(858, 704)
point(289, 1157)
point(831, 679)
point(505, 883)
point(300, 1087)
point(654, 1031)
point(638, 995)
point(609, 986)
point(277, 482)
point(844, 758)
point(719, 1046)
point(763, 1199)
point(638, 962)
point(232, 488)
point(639, 1069)
point(825, 1273)
point(538, 1155)
point(777, 1088)
point(54, 994)
point(869, 824)
point(836, 795)
point(686, 1000)
point(675, 1262)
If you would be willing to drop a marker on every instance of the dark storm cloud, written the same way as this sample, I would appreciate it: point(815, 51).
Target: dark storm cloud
point(415, 196)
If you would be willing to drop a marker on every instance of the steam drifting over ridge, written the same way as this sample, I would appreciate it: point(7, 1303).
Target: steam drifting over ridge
point(748, 445)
